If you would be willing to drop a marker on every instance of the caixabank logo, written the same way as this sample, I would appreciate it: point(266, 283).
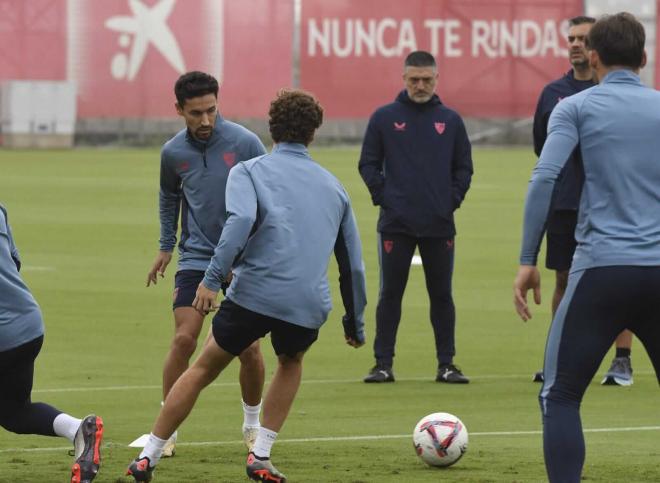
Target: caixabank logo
point(125, 55)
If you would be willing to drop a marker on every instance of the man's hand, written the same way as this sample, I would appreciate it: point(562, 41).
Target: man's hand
point(528, 277)
point(205, 300)
point(350, 334)
point(158, 268)
point(352, 342)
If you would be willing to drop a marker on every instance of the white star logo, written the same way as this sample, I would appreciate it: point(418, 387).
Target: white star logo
point(146, 26)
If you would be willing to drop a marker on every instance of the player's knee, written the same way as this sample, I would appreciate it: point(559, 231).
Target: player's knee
point(290, 360)
point(184, 344)
point(11, 421)
point(252, 355)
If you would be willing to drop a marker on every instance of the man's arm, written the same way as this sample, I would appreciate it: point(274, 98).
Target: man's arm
point(562, 139)
point(6, 237)
point(241, 201)
point(352, 285)
point(169, 203)
point(371, 162)
point(540, 129)
point(462, 169)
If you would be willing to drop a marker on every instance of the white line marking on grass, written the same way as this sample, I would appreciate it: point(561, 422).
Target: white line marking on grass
point(37, 268)
point(310, 381)
point(402, 436)
point(351, 438)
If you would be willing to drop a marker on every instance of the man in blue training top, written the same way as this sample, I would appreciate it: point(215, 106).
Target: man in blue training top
point(193, 173)
point(416, 161)
point(286, 215)
point(562, 217)
point(614, 280)
point(21, 338)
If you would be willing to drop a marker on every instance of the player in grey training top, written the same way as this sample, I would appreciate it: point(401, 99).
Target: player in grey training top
point(614, 280)
point(21, 337)
point(194, 168)
point(286, 217)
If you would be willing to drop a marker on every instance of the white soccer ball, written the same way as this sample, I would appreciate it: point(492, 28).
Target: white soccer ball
point(440, 439)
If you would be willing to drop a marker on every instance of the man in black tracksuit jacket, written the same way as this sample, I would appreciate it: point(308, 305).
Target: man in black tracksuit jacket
point(416, 161)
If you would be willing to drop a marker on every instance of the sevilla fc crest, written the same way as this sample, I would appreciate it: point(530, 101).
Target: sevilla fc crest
point(230, 159)
point(440, 127)
point(388, 245)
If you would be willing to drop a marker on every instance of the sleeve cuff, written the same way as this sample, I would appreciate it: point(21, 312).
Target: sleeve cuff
point(212, 284)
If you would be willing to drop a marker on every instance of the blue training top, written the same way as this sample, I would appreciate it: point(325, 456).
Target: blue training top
point(193, 175)
point(20, 316)
point(617, 124)
point(286, 215)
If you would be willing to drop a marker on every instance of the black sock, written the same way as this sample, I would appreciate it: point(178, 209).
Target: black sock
point(622, 352)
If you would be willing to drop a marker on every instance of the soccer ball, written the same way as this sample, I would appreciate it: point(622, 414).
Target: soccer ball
point(440, 439)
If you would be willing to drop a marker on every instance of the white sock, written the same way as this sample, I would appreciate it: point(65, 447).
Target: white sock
point(251, 415)
point(264, 442)
point(153, 449)
point(66, 426)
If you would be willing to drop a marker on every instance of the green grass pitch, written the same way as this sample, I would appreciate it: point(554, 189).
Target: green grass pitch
point(86, 224)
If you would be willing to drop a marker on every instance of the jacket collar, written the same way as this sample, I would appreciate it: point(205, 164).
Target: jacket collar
point(295, 148)
point(621, 75)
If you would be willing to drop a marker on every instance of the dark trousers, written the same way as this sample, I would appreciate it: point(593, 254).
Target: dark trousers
point(395, 252)
point(18, 413)
point(598, 304)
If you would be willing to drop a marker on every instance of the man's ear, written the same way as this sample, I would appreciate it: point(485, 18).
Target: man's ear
point(644, 59)
point(179, 109)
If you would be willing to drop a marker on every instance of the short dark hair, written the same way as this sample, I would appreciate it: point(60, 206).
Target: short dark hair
point(580, 19)
point(294, 115)
point(619, 40)
point(419, 58)
point(194, 84)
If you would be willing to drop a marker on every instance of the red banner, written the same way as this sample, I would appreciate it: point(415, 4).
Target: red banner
point(33, 39)
point(494, 56)
point(125, 55)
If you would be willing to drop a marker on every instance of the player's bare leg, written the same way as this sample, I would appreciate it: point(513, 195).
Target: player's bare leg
point(183, 395)
point(277, 404)
point(187, 327)
point(180, 401)
point(561, 281)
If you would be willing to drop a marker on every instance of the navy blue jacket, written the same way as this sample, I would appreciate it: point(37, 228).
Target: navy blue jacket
point(417, 163)
point(568, 188)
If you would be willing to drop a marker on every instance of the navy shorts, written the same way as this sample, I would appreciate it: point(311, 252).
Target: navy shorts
point(235, 328)
point(560, 238)
point(185, 287)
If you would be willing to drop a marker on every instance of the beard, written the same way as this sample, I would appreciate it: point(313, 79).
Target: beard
point(580, 63)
